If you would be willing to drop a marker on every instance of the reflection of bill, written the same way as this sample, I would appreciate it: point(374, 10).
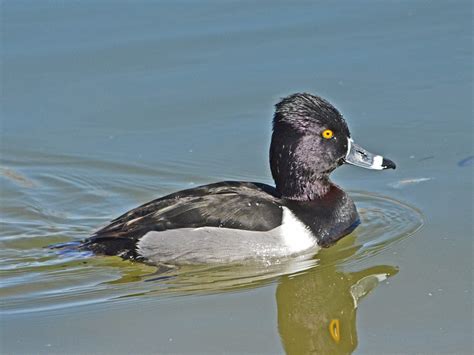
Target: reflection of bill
point(317, 309)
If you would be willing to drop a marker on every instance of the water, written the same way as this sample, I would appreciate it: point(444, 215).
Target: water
point(106, 106)
point(60, 278)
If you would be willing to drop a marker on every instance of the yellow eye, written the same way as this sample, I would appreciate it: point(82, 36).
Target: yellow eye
point(335, 330)
point(327, 133)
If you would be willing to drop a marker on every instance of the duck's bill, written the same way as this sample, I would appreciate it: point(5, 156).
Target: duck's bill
point(356, 155)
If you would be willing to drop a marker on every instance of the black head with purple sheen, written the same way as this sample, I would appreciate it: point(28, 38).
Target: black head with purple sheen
point(301, 155)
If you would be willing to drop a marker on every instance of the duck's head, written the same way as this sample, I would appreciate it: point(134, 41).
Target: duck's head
point(310, 139)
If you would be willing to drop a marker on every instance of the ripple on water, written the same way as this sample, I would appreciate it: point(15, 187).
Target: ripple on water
point(35, 278)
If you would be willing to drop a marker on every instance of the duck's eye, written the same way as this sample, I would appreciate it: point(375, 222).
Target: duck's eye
point(327, 133)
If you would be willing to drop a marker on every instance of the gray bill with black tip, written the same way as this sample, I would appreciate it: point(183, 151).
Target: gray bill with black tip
point(356, 155)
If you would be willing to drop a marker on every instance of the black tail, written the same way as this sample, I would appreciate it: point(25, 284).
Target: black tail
point(123, 247)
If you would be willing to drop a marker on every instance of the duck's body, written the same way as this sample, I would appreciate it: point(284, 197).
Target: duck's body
point(236, 221)
point(226, 222)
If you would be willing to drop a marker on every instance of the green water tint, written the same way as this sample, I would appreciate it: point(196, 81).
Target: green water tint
point(107, 107)
point(317, 310)
point(37, 278)
point(316, 295)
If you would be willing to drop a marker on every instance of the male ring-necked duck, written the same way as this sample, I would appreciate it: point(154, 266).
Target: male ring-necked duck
point(234, 221)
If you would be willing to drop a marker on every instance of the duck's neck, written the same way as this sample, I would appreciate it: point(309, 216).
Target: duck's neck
point(306, 189)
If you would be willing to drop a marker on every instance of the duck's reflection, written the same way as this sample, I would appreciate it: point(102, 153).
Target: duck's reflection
point(317, 298)
point(317, 309)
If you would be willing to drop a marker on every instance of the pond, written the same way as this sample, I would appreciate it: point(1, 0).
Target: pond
point(109, 105)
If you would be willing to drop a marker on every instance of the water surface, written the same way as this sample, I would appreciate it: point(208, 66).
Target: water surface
point(108, 105)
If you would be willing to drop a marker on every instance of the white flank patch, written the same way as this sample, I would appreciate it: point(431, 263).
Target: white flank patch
point(296, 235)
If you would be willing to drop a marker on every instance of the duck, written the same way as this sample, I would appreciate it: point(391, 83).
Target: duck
point(238, 221)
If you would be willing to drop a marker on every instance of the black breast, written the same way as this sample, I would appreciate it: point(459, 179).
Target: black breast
point(330, 218)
